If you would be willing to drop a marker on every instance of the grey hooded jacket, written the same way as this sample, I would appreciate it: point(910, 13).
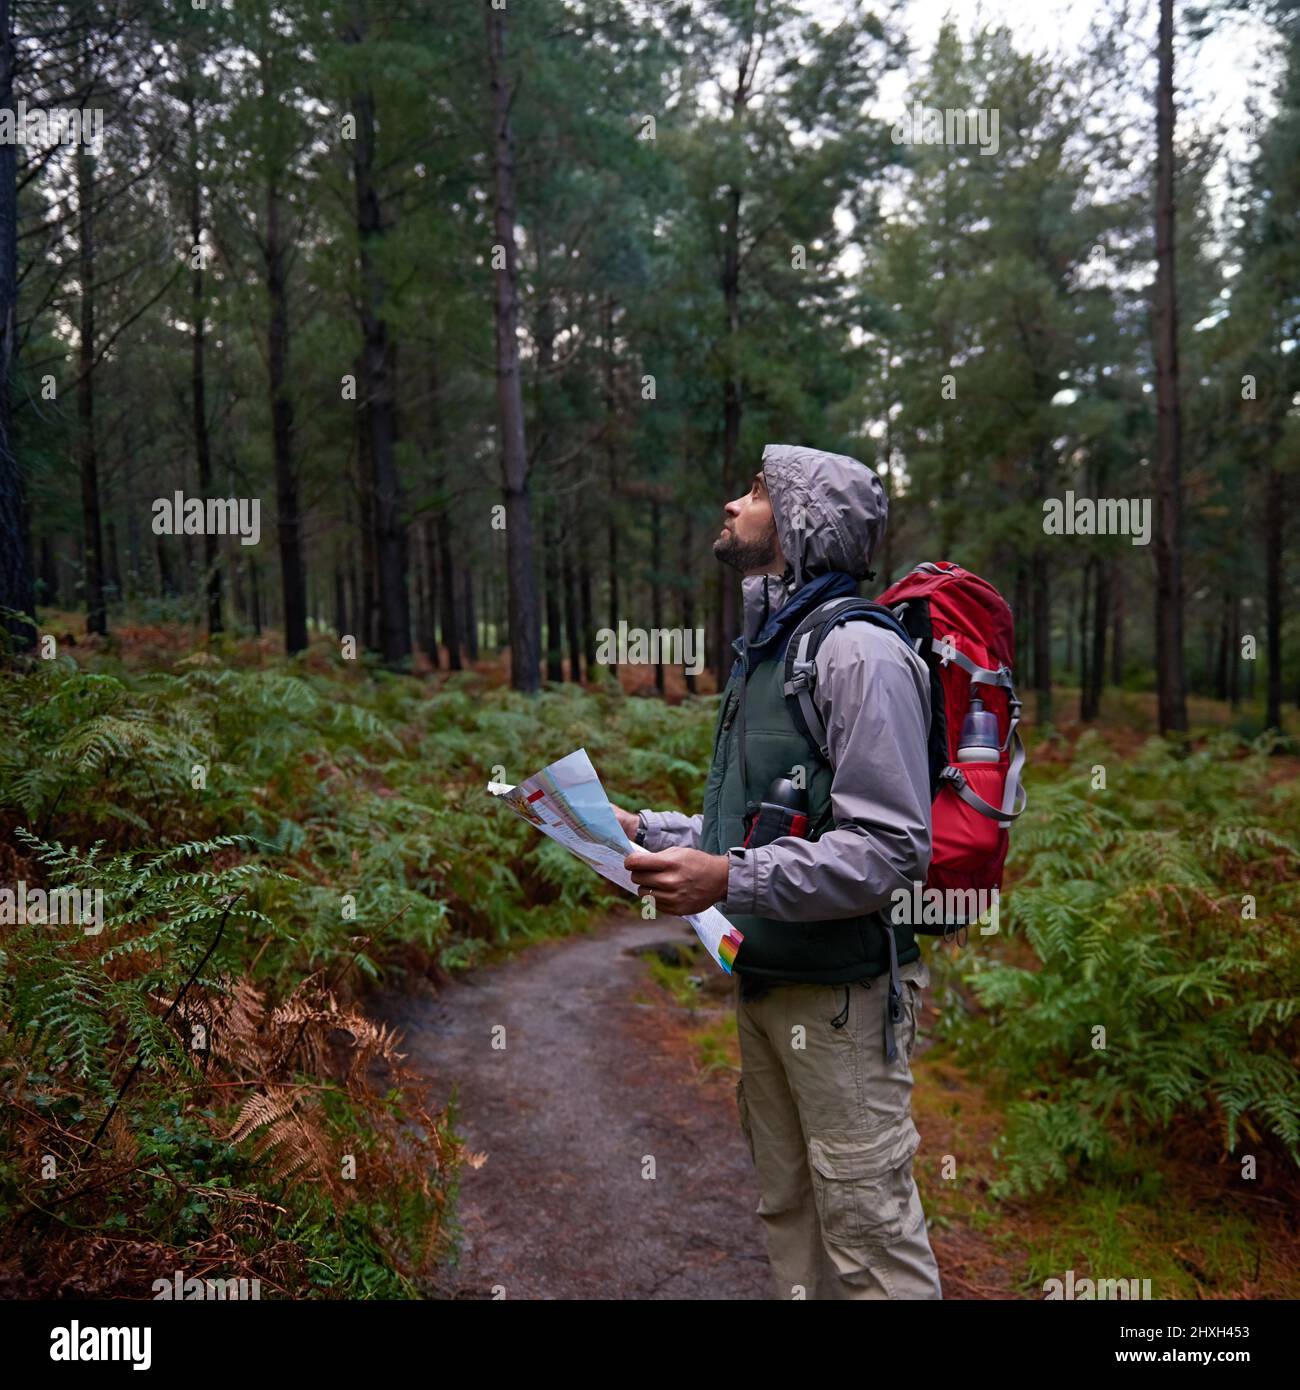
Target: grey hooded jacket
point(873, 693)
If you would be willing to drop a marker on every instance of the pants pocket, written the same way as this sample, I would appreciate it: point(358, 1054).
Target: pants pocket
point(862, 1184)
point(746, 1127)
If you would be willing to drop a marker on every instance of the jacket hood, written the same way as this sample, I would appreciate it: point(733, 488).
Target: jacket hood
point(830, 512)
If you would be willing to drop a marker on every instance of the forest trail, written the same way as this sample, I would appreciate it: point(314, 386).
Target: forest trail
point(590, 1082)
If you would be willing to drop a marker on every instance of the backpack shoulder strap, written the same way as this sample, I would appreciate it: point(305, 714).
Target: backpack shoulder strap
point(801, 651)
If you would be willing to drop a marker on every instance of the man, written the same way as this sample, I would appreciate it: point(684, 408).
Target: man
point(825, 1087)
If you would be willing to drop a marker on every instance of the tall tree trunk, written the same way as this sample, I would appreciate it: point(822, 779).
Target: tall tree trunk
point(500, 618)
point(656, 582)
point(1040, 588)
point(187, 553)
point(471, 618)
point(1275, 502)
point(166, 578)
point(430, 589)
point(237, 569)
point(728, 621)
point(1076, 616)
point(256, 590)
point(293, 580)
point(92, 525)
point(553, 540)
point(1042, 635)
point(1100, 623)
point(425, 633)
point(586, 613)
point(113, 565)
point(570, 584)
point(198, 379)
point(1021, 616)
point(524, 635)
point(1234, 652)
point(378, 359)
point(1117, 653)
point(450, 616)
point(17, 590)
point(368, 613)
point(1085, 646)
point(49, 574)
point(551, 592)
point(1221, 655)
point(446, 574)
point(134, 510)
point(611, 468)
point(688, 588)
point(1170, 682)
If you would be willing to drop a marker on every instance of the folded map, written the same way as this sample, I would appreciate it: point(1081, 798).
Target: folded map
point(567, 802)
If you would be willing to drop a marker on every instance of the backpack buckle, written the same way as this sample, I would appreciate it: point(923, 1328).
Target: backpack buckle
point(803, 678)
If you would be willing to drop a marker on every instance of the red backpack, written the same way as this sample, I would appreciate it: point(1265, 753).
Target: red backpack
point(962, 628)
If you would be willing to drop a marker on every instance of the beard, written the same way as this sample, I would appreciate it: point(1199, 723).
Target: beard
point(747, 556)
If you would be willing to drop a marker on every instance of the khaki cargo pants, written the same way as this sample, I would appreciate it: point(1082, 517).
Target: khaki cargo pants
point(829, 1126)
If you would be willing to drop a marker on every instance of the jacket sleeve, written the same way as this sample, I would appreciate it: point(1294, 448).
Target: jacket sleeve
point(670, 830)
point(874, 694)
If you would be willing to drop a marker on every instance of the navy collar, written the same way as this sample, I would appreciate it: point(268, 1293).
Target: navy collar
point(771, 636)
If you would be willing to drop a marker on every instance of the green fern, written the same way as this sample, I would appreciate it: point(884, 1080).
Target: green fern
point(1145, 1008)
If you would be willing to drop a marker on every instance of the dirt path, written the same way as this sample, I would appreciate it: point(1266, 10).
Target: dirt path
point(589, 1085)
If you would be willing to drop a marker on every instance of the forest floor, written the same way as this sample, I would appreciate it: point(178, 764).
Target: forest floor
point(604, 1065)
point(596, 1074)
point(620, 1044)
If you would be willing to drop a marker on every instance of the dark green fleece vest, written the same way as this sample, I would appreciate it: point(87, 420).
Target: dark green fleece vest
point(826, 952)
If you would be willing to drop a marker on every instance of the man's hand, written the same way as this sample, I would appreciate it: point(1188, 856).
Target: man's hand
point(629, 820)
point(682, 880)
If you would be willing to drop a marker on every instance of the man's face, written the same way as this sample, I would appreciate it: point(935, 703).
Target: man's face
point(748, 540)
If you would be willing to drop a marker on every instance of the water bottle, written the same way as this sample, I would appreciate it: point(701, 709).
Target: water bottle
point(783, 811)
point(979, 742)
